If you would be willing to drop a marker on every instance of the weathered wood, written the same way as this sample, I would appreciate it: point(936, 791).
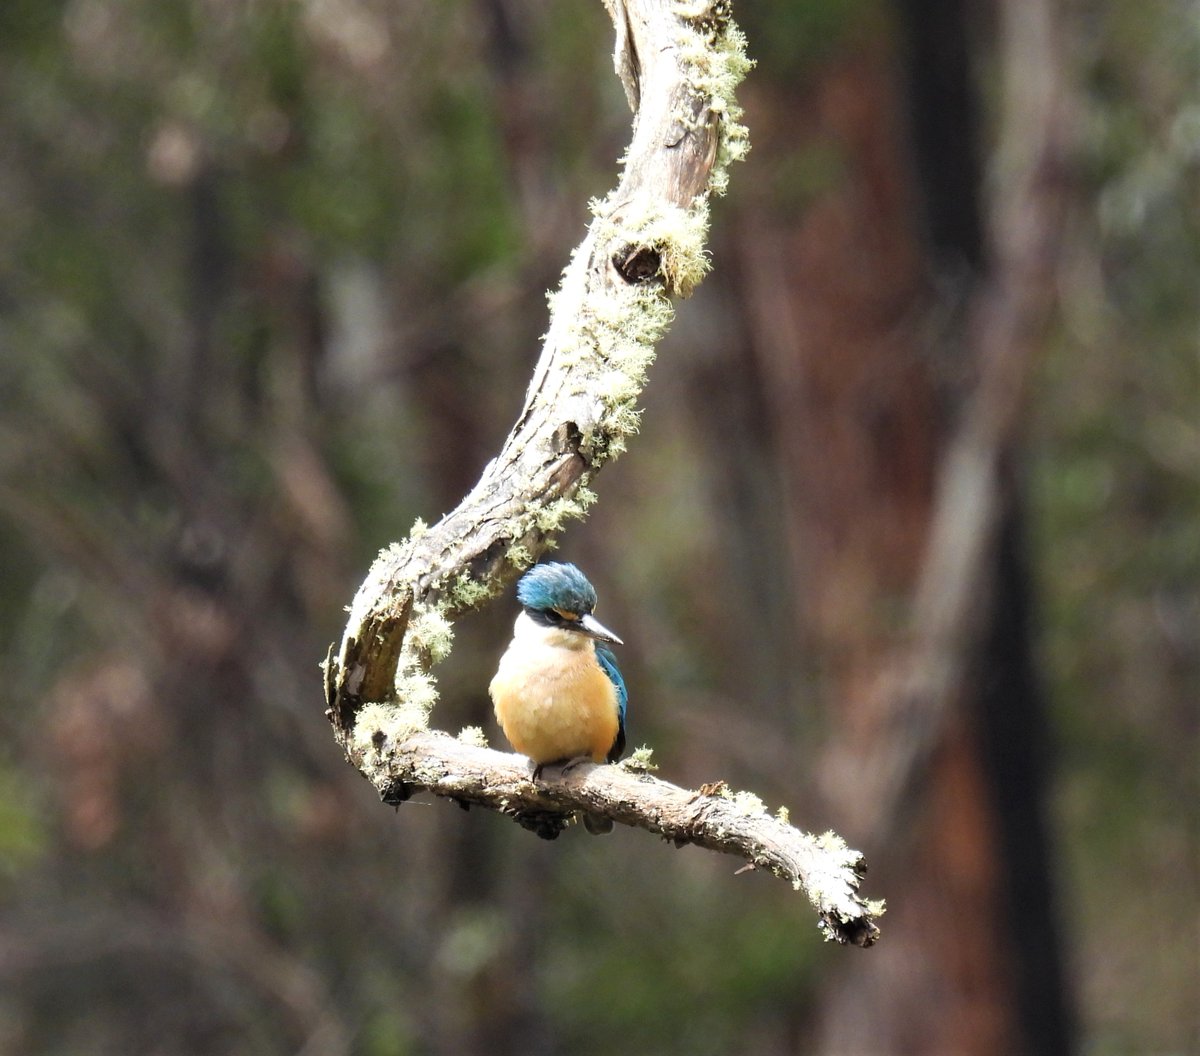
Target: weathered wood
point(713, 817)
point(679, 63)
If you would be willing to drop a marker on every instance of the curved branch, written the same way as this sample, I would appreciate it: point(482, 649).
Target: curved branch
point(714, 817)
point(680, 63)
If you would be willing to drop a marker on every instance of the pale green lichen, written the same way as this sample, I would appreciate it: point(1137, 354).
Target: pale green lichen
point(640, 761)
point(749, 803)
point(617, 387)
point(519, 556)
point(832, 843)
point(743, 802)
point(381, 726)
point(430, 634)
point(553, 515)
point(714, 52)
point(473, 735)
point(618, 325)
point(427, 641)
point(416, 694)
point(466, 592)
point(783, 815)
point(676, 234)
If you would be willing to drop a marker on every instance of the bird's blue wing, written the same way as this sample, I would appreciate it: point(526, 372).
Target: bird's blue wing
point(609, 662)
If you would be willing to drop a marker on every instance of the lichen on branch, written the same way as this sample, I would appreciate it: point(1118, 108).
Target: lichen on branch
point(644, 247)
point(680, 63)
point(401, 763)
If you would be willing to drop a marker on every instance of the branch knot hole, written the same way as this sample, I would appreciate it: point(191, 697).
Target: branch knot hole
point(567, 438)
point(637, 263)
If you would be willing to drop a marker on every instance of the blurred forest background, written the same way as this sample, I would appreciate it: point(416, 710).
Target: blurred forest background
point(272, 277)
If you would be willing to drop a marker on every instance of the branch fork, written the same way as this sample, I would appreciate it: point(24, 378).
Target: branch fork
point(679, 64)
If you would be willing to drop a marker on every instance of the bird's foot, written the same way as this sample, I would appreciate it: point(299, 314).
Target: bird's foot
point(565, 765)
point(579, 760)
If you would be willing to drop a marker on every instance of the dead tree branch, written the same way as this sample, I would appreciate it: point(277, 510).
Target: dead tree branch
point(714, 817)
point(679, 63)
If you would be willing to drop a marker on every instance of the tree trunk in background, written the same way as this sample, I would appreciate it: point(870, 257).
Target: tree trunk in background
point(856, 412)
point(845, 303)
point(1014, 731)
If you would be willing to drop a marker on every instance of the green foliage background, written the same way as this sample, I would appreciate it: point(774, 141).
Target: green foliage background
point(271, 283)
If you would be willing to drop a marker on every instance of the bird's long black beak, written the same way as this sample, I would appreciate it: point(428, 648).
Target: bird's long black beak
point(595, 629)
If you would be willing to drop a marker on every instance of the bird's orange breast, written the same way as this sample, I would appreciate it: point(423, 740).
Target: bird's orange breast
point(555, 704)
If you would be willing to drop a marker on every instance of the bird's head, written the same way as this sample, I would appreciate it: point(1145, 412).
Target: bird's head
point(558, 595)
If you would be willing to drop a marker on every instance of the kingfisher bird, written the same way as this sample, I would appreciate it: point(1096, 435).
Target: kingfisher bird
point(558, 695)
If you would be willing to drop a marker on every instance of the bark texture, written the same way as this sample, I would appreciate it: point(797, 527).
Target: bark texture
point(679, 64)
point(713, 816)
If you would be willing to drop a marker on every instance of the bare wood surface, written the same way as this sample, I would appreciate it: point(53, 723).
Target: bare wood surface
point(714, 816)
point(679, 64)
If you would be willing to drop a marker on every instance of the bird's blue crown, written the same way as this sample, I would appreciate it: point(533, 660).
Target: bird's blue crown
point(556, 585)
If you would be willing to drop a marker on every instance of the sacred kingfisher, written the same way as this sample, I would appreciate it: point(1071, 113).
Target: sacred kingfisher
point(558, 694)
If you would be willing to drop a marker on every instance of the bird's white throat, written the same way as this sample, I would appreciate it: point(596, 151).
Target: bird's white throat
point(530, 633)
